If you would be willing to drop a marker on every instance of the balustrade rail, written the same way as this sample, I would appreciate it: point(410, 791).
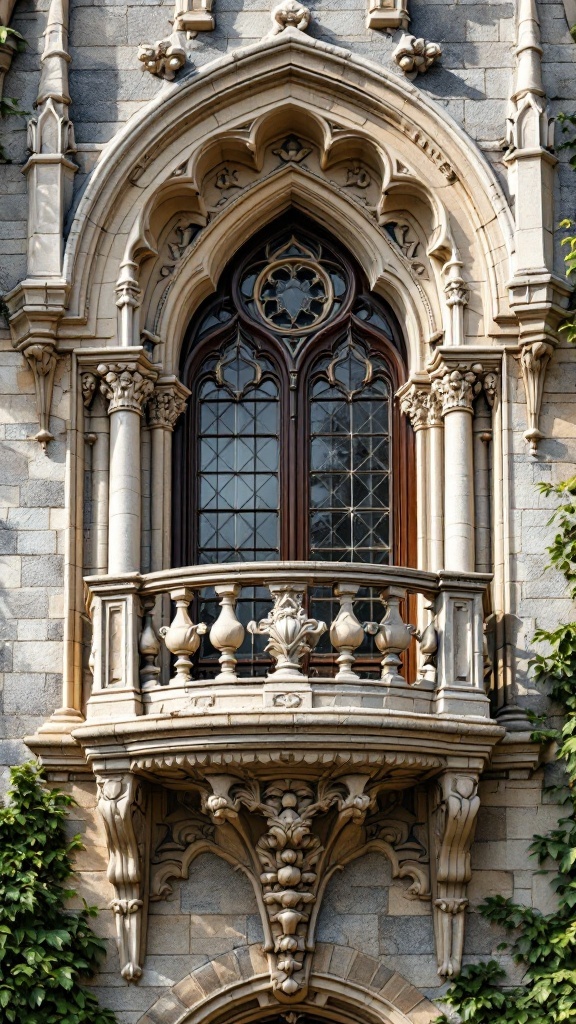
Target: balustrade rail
point(286, 630)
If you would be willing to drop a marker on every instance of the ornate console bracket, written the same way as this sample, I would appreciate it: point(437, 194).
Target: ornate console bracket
point(42, 359)
point(453, 821)
point(534, 359)
point(290, 863)
point(121, 802)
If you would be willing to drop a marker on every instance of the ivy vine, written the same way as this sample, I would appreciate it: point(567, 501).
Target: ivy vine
point(45, 949)
point(9, 106)
point(543, 945)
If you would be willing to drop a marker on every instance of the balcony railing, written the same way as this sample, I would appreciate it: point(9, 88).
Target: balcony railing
point(322, 634)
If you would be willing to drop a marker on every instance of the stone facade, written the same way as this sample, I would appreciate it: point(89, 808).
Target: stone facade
point(419, 137)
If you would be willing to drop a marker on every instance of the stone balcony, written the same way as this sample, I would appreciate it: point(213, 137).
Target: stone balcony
point(287, 682)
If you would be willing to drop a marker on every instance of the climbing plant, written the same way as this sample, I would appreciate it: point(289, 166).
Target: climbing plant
point(568, 127)
point(542, 945)
point(10, 107)
point(45, 949)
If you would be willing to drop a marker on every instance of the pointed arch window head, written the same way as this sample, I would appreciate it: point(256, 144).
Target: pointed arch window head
point(292, 447)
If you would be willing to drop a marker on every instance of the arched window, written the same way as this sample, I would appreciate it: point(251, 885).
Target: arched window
point(292, 446)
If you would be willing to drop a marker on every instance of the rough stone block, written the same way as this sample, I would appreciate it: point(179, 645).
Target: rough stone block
point(42, 494)
point(405, 934)
point(36, 542)
point(42, 570)
point(170, 934)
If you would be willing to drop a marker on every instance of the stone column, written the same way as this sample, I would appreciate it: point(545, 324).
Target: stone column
point(126, 385)
point(457, 388)
point(435, 483)
point(414, 404)
point(165, 406)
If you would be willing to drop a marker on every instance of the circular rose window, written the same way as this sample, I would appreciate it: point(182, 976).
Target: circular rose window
point(293, 295)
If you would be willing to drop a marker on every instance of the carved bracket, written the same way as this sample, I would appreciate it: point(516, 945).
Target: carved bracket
point(311, 830)
point(453, 818)
point(121, 802)
point(42, 359)
point(414, 56)
point(534, 359)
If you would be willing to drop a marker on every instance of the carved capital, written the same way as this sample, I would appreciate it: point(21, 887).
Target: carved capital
point(167, 403)
point(454, 813)
point(414, 404)
point(42, 358)
point(126, 386)
point(457, 388)
point(534, 359)
point(121, 804)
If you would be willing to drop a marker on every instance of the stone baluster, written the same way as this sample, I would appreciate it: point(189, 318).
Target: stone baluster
point(227, 633)
point(392, 636)
point(182, 636)
point(292, 634)
point(148, 646)
point(457, 389)
point(346, 633)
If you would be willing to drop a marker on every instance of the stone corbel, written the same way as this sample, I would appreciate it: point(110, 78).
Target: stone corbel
point(121, 802)
point(290, 863)
point(414, 56)
point(534, 359)
point(453, 821)
point(163, 58)
point(42, 358)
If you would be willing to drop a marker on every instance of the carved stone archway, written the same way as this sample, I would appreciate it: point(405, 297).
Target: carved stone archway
point(346, 986)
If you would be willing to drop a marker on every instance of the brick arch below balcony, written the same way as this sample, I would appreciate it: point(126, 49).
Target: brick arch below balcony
point(235, 988)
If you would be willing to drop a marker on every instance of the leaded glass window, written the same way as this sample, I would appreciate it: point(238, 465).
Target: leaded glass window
point(292, 446)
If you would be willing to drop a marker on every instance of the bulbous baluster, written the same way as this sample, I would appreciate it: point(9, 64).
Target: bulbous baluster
point(182, 636)
point(392, 635)
point(346, 633)
point(227, 633)
point(148, 646)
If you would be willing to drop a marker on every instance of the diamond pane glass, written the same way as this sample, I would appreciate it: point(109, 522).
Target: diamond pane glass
point(238, 481)
point(350, 464)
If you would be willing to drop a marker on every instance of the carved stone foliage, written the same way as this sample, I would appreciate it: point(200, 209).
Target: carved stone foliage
point(166, 404)
point(292, 634)
point(454, 812)
point(121, 802)
point(289, 14)
point(414, 56)
point(163, 58)
point(458, 388)
point(125, 386)
point(290, 836)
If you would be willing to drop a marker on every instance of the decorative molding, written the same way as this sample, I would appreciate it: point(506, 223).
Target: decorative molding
point(292, 634)
point(121, 802)
point(534, 359)
point(125, 386)
point(415, 55)
point(167, 403)
point(163, 58)
point(289, 14)
point(42, 357)
point(454, 810)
